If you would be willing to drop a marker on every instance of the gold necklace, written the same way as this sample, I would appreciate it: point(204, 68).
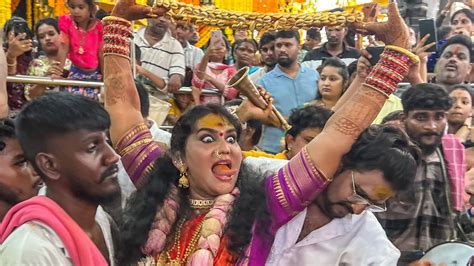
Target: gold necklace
point(189, 248)
point(81, 37)
point(201, 204)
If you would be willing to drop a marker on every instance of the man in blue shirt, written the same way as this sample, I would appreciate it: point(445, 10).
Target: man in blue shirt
point(290, 84)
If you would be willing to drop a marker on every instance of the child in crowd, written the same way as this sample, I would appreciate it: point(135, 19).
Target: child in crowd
point(81, 42)
point(179, 104)
point(460, 115)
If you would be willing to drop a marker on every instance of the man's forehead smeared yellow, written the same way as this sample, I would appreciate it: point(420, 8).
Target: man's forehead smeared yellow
point(383, 192)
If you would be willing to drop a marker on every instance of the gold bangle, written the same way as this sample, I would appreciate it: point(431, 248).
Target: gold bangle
point(11, 65)
point(413, 57)
point(27, 93)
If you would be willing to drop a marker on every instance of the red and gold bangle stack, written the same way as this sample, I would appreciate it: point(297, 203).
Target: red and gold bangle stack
point(117, 34)
point(390, 70)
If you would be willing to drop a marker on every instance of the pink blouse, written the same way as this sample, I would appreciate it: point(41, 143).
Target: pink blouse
point(223, 77)
point(84, 46)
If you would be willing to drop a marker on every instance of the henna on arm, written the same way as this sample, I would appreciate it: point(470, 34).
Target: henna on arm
point(343, 128)
point(350, 119)
point(355, 85)
point(121, 97)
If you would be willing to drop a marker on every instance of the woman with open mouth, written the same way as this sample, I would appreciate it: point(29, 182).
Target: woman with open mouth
point(196, 204)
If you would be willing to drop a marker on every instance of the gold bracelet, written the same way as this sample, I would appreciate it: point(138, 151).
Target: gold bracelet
point(11, 65)
point(27, 93)
point(413, 57)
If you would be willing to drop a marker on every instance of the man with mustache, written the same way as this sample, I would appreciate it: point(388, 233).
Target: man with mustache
point(64, 138)
point(266, 46)
point(334, 47)
point(290, 85)
point(454, 64)
point(423, 215)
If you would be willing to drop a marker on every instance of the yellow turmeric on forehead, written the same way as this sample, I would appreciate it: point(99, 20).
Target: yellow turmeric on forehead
point(213, 121)
point(383, 192)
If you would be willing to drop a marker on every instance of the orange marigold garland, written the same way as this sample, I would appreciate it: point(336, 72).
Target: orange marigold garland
point(29, 13)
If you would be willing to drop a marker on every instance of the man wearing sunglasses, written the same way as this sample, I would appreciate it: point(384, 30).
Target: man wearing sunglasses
point(423, 215)
point(339, 227)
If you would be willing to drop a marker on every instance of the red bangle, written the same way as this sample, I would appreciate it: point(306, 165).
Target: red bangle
point(117, 34)
point(389, 71)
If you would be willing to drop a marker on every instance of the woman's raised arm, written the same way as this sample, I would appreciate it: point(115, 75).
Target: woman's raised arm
point(121, 96)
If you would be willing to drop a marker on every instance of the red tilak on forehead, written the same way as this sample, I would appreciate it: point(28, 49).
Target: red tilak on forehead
point(221, 134)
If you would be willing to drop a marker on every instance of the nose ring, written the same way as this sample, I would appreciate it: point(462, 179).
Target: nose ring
point(218, 154)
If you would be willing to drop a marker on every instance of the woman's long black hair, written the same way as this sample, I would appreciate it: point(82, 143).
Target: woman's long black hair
point(143, 204)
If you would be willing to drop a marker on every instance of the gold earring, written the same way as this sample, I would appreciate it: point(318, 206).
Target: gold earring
point(183, 181)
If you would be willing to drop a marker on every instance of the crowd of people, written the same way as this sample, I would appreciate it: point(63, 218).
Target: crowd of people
point(370, 172)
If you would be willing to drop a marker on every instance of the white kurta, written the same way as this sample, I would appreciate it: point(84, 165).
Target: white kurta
point(35, 243)
point(352, 240)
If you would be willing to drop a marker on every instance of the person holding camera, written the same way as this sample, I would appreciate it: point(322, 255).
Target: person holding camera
point(18, 45)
